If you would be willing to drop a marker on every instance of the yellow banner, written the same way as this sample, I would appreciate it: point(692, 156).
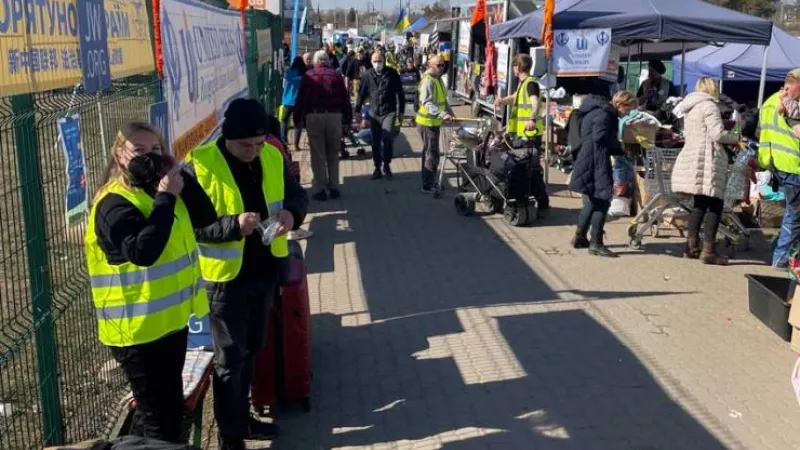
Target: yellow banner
point(39, 47)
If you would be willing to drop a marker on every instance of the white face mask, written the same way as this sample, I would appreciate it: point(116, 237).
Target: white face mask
point(379, 67)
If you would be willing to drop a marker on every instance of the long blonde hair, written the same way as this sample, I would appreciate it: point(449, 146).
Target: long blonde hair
point(114, 172)
point(708, 86)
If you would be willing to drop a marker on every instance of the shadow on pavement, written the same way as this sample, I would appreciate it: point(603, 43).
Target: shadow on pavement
point(435, 363)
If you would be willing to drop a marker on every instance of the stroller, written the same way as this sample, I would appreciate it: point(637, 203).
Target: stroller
point(501, 178)
point(355, 141)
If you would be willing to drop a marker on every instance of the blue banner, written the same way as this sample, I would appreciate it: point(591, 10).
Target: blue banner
point(159, 118)
point(69, 133)
point(93, 38)
point(199, 332)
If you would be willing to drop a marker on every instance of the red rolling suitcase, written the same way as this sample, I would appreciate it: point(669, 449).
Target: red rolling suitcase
point(283, 366)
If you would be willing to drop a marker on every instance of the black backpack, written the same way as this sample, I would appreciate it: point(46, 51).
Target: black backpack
point(573, 130)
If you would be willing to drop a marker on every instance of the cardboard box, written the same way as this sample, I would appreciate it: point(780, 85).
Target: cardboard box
point(632, 133)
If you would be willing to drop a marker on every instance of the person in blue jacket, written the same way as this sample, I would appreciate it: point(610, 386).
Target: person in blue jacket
point(291, 86)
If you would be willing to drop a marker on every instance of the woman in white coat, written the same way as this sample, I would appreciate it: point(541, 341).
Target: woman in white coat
point(701, 168)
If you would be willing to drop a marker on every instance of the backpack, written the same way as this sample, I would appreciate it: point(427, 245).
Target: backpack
point(573, 130)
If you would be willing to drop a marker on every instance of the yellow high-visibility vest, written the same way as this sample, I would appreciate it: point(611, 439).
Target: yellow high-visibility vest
point(522, 112)
point(222, 262)
point(778, 146)
point(424, 118)
point(136, 304)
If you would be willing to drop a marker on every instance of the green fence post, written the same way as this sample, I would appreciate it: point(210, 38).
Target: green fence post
point(30, 179)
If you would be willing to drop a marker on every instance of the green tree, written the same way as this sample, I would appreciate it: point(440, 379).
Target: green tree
point(437, 10)
point(760, 8)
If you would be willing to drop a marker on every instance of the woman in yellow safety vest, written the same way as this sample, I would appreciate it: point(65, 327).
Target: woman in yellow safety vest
point(145, 277)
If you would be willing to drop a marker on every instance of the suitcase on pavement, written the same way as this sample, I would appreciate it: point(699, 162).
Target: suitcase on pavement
point(283, 366)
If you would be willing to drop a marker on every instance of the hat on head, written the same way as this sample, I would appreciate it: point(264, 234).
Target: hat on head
point(244, 118)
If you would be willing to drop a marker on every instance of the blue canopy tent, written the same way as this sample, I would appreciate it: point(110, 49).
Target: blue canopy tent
point(742, 62)
point(644, 20)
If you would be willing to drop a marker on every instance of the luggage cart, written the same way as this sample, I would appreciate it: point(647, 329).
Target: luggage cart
point(659, 163)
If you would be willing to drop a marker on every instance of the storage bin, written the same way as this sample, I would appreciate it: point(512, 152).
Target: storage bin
point(768, 298)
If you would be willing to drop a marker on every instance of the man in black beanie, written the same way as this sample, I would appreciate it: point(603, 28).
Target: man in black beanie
point(656, 89)
point(248, 182)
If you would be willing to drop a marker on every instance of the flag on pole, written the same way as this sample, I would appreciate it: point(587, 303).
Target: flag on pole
point(303, 20)
point(402, 21)
point(547, 26)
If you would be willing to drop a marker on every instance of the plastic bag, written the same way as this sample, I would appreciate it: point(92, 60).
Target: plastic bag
point(620, 207)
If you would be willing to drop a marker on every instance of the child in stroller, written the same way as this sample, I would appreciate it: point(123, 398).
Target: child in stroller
point(355, 134)
point(503, 179)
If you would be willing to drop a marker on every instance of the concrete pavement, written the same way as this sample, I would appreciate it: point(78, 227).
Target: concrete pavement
point(434, 331)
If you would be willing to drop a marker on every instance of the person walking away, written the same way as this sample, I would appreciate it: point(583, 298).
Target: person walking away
point(779, 151)
point(291, 87)
point(144, 272)
point(382, 86)
point(324, 107)
point(524, 124)
point(592, 174)
point(433, 111)
point(248, 181)
point(353, 74)
point(348, 82)
point(701, 168)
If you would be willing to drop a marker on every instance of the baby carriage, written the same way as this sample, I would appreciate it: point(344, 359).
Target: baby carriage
point(352, 135)
point(497, 176)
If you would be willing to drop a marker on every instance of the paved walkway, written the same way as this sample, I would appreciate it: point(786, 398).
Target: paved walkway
point(438, 331)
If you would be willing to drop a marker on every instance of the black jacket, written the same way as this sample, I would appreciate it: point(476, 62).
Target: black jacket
point(599, 125)
point(385, 92)
point(258, 259)
point(126, 235)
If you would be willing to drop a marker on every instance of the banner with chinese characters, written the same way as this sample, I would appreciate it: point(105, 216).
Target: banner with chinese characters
point(39, 44)
point(204, 69)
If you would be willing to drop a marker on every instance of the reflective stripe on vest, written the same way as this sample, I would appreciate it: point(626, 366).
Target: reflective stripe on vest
point(522, 112)
point(423, 117)
point(778, 147)
point(221, 262)
point(135, 304)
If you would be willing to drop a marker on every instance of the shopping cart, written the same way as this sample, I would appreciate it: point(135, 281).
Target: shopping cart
point(458, 140)
point(666, 205)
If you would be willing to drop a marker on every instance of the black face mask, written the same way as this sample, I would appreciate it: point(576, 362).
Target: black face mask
point(145, 170)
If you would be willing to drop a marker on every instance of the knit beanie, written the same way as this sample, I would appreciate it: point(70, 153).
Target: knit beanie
point(244, 118)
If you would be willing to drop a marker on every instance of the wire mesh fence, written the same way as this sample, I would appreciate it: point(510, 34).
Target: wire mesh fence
point(57, 382)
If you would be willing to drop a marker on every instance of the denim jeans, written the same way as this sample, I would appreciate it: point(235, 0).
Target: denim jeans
point(789, 235)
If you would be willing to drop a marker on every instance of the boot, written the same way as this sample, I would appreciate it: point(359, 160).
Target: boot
point(579, 241)
point(692, 248)
point(598, 248)
point(710, 256)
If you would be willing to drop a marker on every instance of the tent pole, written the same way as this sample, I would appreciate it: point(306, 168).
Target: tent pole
point(683, 69)
point(720, 85)
point(763, 81)
point(628, 70)
point(548, 123)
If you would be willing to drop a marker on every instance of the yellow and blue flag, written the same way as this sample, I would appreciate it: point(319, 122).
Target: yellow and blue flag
point(402, 21)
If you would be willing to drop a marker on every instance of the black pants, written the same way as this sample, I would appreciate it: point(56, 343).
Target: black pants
point(154, 371)
point(430, 155)
point(709, 208)
point(287, 116)
point(539, 186)
point(239, 328)
point(383, 134)
point(593, 214)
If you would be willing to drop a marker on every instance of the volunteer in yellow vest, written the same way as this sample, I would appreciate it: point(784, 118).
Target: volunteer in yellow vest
point(144, 271)
point(779, 151)
point(433, 111)
point(524, 124)
point(248, 183)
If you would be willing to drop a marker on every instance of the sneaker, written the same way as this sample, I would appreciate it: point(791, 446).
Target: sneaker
point(334, 194)
point(579, 242)
point(602, 250)
point(376, 174)
point(320, 196)
point(428, 190)
point(262, 431)
point(387, 172)
point(299, 234)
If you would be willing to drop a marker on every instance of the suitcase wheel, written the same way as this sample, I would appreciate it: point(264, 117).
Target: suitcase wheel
point(306, 404)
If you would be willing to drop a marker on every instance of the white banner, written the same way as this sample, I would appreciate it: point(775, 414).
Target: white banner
point(264, 42)
point(581, 53)
point(503, 51)
point(204, 69)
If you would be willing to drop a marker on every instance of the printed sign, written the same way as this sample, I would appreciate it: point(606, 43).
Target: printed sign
point(93, 38)
point(581, 53)
point(39, 43)
point(199, 332)
point(502, 67)
point(264, 46)
point(76, 201)
point(159, 118)
point(204, 69)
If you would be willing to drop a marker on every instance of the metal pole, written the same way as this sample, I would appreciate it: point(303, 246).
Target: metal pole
point(683, 68)
point(628, 70)
point(763, 82)
point(548, 123)
point(102, 123)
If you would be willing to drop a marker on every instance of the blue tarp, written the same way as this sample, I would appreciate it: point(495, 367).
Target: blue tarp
point(742, 62)
point(644, 20)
